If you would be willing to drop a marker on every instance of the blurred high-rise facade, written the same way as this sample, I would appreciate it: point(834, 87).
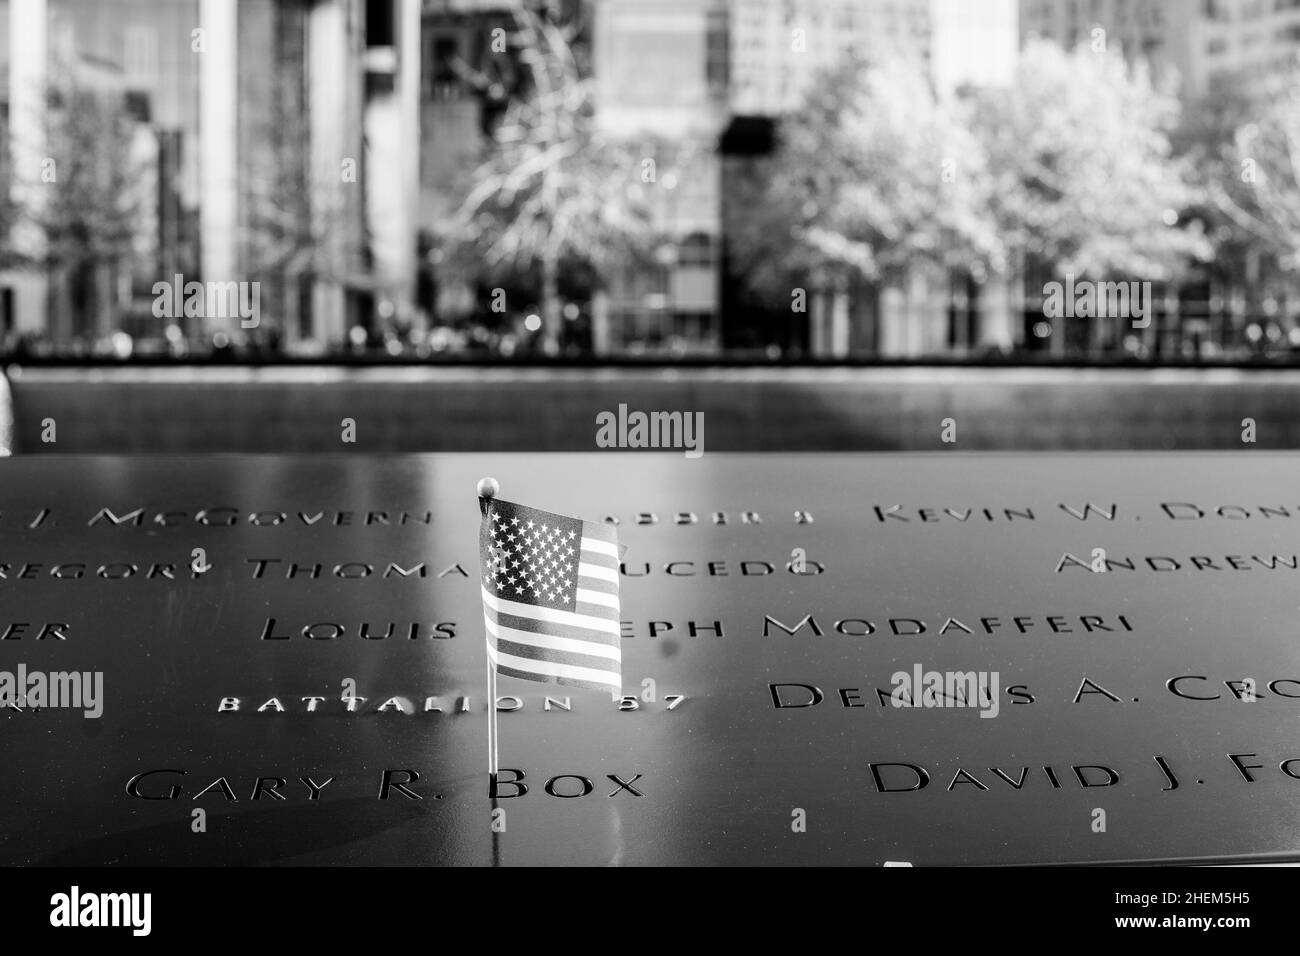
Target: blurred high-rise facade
point(254, 124)
point(771, 41)
point(312, 145)
point(726, 72)
point(718, 74)
point(1202, 41)
point(315, 145)
point(663, 70)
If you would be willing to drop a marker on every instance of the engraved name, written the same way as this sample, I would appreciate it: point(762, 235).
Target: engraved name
point(910, 626)
point(1196, 562)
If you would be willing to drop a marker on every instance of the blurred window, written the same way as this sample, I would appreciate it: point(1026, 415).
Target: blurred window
point(140, 53)
point(717, 63)
point(696, 250)
point(380, 25)
point(444, 81)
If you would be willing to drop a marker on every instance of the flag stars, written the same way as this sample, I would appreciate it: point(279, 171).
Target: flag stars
point(532, 560)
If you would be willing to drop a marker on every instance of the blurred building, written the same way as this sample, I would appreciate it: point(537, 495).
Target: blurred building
point(661, 72)
point(257, 121)
point(973, 44)
point(287, 141)
point(724, 72)
point(22, 41)
point(664, 71)
point(1202, 41)
point(464, 90)
point(470, 74)
point(778, 46)
point(315, 146)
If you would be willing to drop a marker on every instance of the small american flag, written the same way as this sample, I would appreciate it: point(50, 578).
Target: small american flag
point(550, 596)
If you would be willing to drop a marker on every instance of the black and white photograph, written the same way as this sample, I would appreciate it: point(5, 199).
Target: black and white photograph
point(445, 440)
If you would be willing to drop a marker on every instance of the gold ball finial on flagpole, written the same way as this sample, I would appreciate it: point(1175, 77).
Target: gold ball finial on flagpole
point(488, 488)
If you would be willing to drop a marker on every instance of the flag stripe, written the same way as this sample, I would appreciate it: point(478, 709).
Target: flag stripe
point(552, 670)
point(602, 585)
point(595, 572)
point(608, 614)
point(533, 626)
point(547, 679)
point(550, 655)
point(586, 596)
point(530, 632)
point(594, 556)
point(550, 615)
point(602, 531)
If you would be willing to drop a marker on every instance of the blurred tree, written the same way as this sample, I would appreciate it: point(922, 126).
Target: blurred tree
point(90, 196)
point(11, 256)
point(554, 189)
point(872, 175)
point(1085, 180)
point(1251, 162)
point(1085, 176)
point(296, 227)
point(1250, 260)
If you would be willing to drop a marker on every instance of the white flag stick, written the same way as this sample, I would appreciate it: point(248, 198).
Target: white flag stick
point(487, 490)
